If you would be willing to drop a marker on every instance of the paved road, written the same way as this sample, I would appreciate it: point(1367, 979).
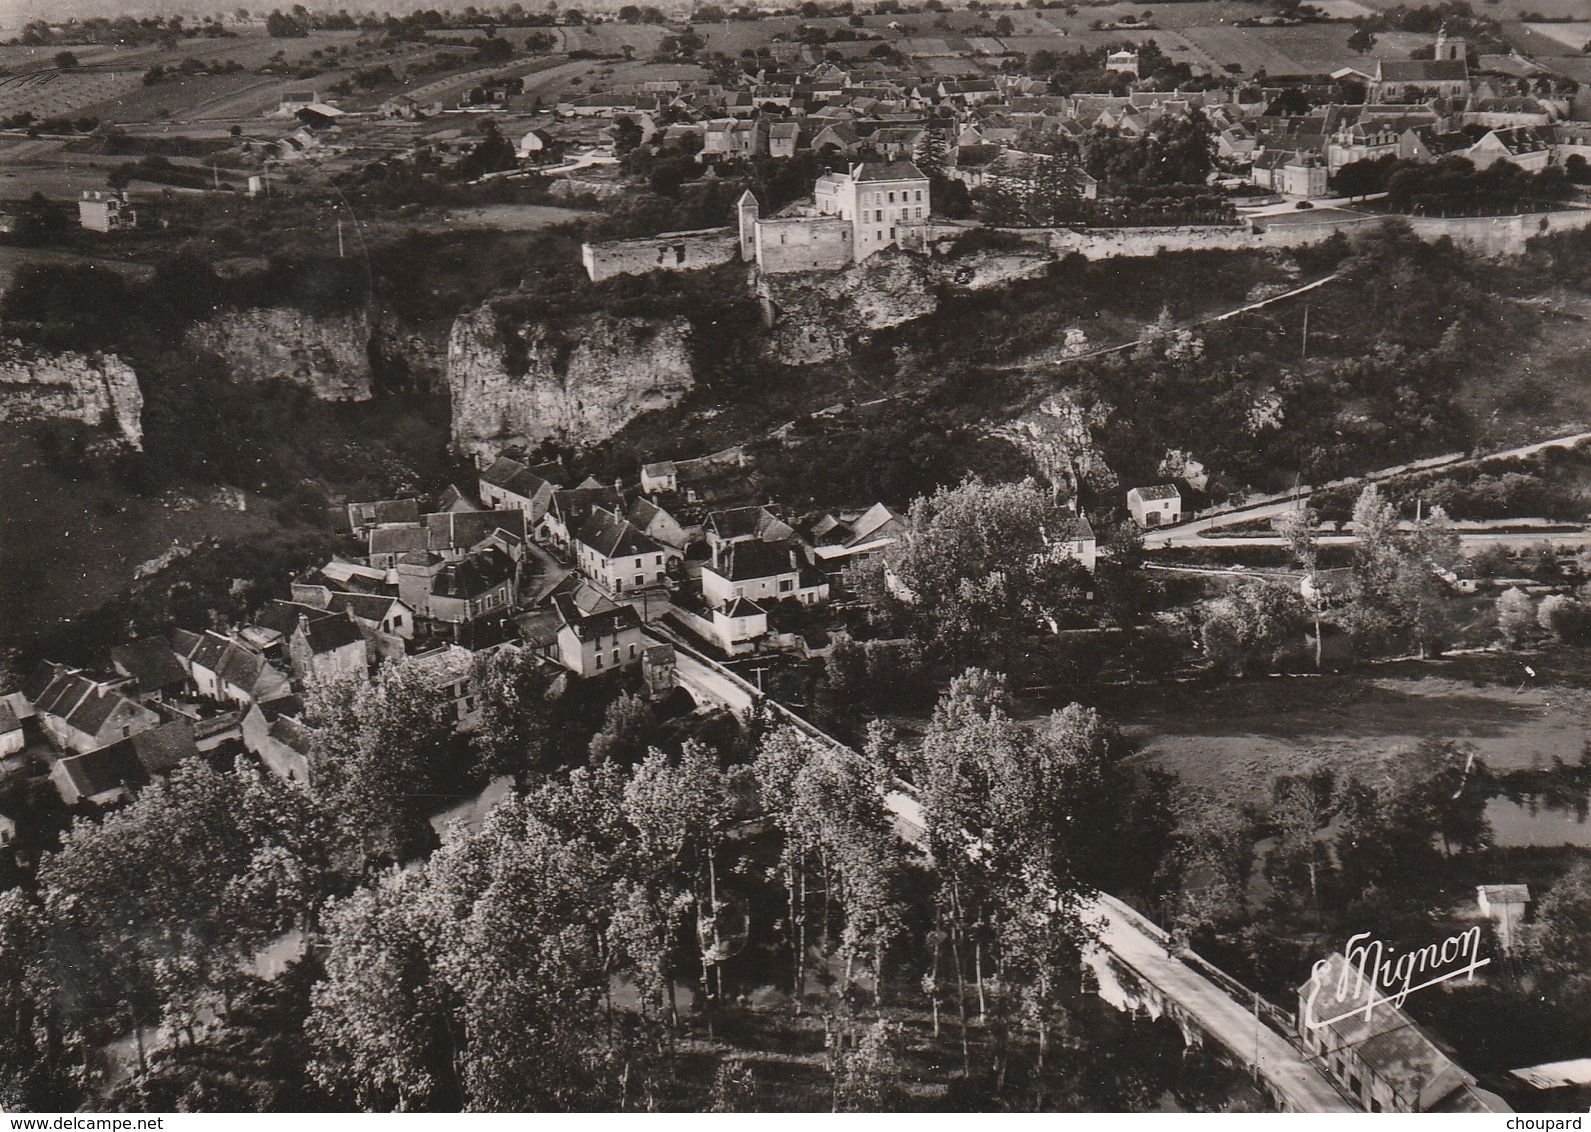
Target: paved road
point(704, 682)
point(1301, 1087)
point(1195, 532)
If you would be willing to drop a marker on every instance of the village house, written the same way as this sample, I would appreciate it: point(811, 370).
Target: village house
point(744, 524)
point(1156, 506)
point(878, 199)
point(1381, 1057)
point(450, 671)
point(81, 714)
point(150, 665)
point(276, 734)
point(615, 553)
point(1075, 540)
point(114, 773)
point(657, 522)
point(225, 670)
point(362, 517)
point(1528, 148)
point(106, 211)
point(340, 576)
point(1504, 905)
point(568, 509)
point(456, 591)
point(594, 635)
point(12, 737)
point(327, 648)
point(1299, 173)
point(762, 571)
point(510, 484)
point(842, 543)
point(1122, 62)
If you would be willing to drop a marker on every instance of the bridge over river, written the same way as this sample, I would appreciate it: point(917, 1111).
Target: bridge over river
point(1133, 960)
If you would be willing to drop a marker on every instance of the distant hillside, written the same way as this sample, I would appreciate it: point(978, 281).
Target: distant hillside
point(15, 13)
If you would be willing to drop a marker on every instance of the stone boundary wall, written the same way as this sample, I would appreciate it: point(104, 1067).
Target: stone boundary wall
point(1490, 236)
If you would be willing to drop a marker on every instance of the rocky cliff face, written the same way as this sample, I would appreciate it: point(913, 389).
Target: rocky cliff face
point(97, 389)
point(1059, 438)
point(346, 356)
point(521, 382)
point(815, 316)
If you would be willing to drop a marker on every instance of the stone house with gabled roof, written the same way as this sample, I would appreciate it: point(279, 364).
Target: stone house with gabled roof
point(1156, 506)
point(508, 483)
point(456, 591)
point(327, 648)
point(81, 714)
point(113, 773)
point(277, 735)
point(12, 737)
point(615, 553)
point(598, 641)
point(224, 670)
point(762, 571)
point(1376, 1053)
point(150, 665)
point(742, 524)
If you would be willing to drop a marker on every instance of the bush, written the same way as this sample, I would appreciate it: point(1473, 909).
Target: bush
point(1565, 618)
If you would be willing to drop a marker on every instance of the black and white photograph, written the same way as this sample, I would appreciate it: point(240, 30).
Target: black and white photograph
point(795, 556)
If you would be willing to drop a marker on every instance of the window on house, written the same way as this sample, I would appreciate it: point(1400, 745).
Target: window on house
point(919, 194)
point(659, 558)
point(640, 579)
point(126, 732)
point(891, 198)
point(599, 660)
point(919, 214)
point(616, 657)
point(784, 585)
point(892, 233)
point(632, 652)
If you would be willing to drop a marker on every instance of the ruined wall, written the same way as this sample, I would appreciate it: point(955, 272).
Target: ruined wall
point(806, 243)
point(672, 251)
point(518, 382)
point(96, 389)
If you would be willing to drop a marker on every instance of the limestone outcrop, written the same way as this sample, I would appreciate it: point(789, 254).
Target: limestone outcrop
point(518, 380)
point(96, 389)
point(815, 316)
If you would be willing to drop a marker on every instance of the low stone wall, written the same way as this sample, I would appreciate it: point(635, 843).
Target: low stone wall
point(1489, 236)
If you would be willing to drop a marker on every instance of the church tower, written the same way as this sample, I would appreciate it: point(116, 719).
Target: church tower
point(1449, 47)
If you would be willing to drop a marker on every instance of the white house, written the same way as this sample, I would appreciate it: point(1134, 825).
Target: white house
point(1156, 506)
point(879, 199)
point(615, 553)
point(762, 571)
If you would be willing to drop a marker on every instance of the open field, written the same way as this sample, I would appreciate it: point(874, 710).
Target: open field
point(513, 217)
point(1236, 738)
point(1573, 36)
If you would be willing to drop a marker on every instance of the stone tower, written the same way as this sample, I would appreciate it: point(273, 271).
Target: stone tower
point(746, 210)
point(1449, 47)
